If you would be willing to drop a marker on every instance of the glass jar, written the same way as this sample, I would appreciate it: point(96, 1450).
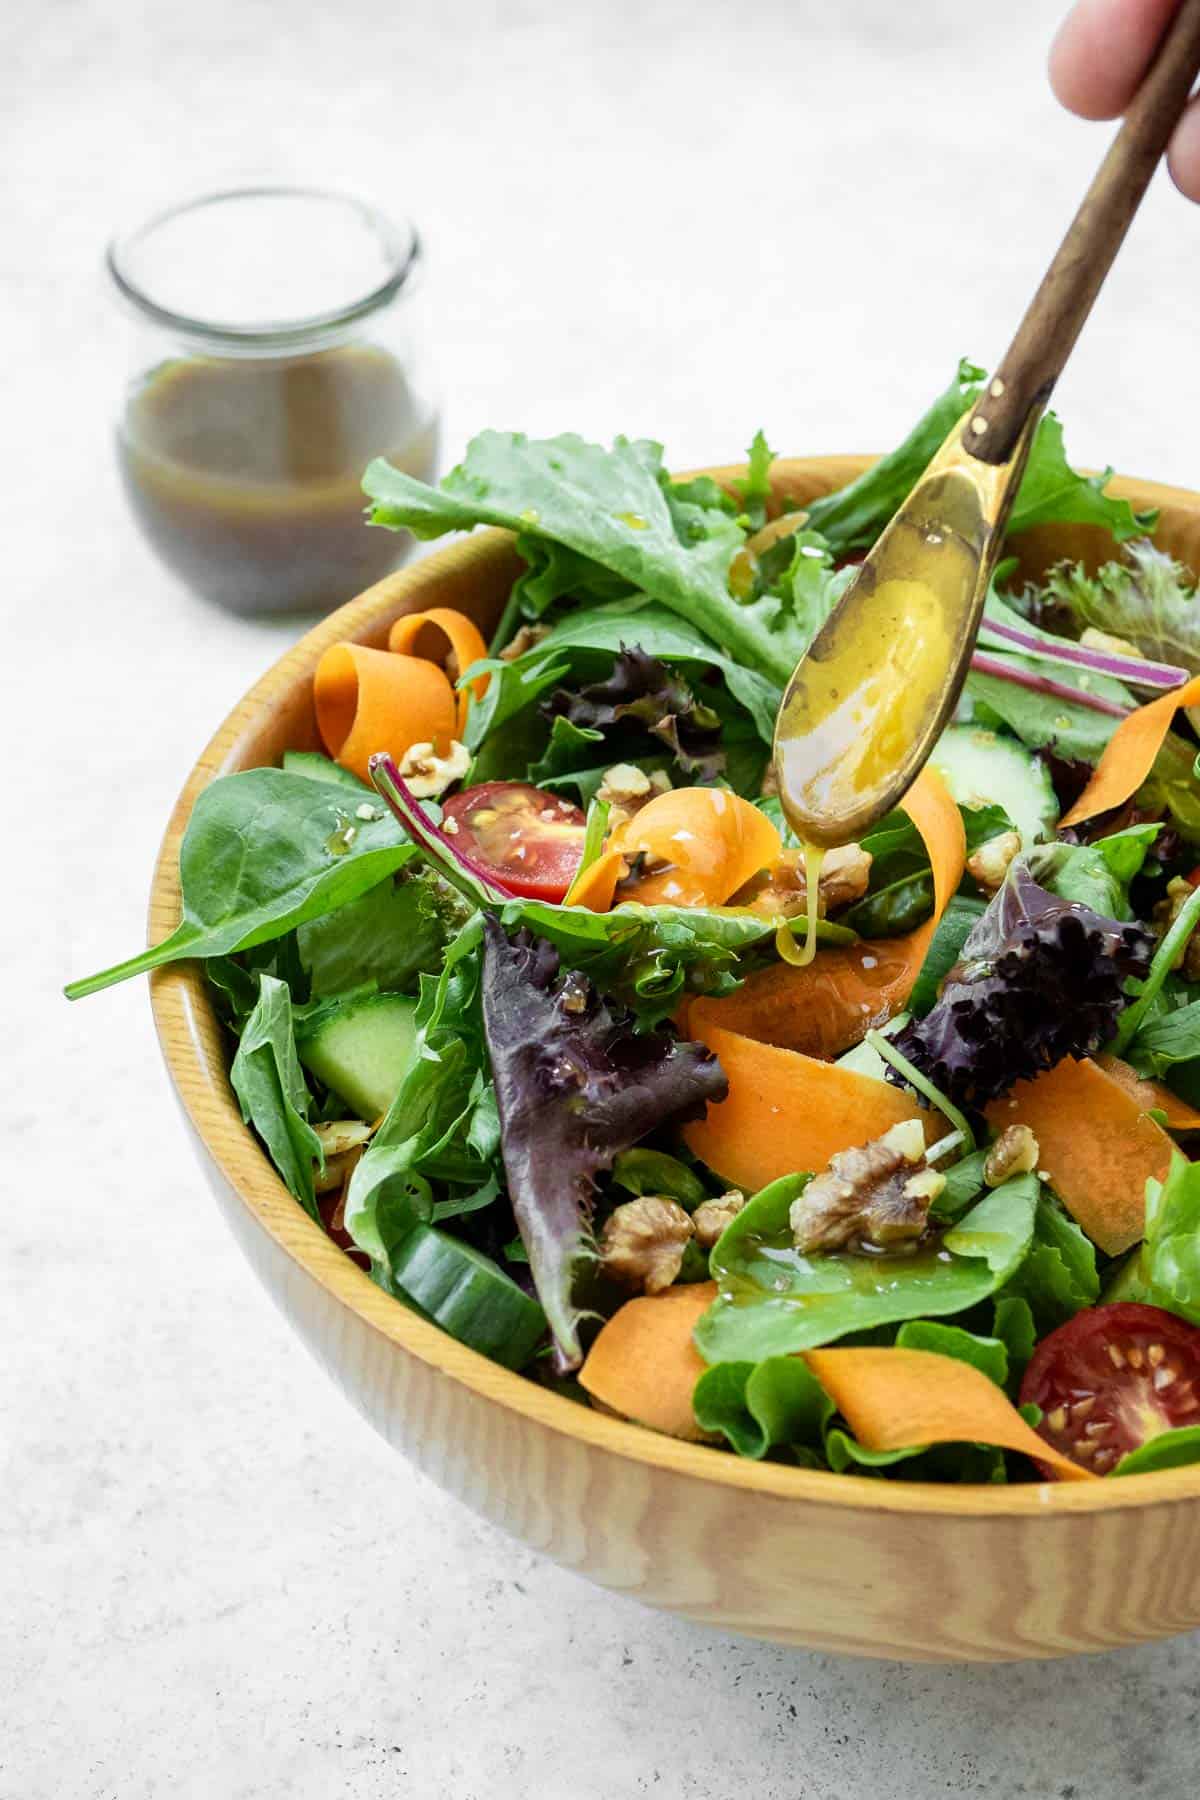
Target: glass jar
point(272, 360)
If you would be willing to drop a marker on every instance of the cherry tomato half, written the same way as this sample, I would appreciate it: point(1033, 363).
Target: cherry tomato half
point(531, 842)
point(1111, 1378)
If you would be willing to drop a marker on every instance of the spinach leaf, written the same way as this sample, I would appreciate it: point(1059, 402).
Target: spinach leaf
point(427, 1131)
point(987, 1354)
point(900, 895)
point(271, 1090)
point(396, 931)
point(263, 852)
point(1049, 721)
point(953, 929)
point(772, 1301)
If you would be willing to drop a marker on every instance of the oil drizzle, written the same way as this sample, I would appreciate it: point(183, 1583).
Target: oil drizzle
point(800, 955)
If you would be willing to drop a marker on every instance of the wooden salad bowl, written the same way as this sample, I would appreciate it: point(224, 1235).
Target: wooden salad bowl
point(834, 1562)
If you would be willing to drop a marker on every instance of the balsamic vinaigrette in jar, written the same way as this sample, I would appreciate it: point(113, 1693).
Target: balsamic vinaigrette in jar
point(272, 362)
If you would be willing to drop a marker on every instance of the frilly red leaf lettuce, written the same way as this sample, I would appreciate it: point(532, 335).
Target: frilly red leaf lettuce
point(1039, 978)
point(642, 691)
point(575, 1085)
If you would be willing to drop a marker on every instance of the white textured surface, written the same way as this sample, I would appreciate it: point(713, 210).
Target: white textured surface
point(681, 219)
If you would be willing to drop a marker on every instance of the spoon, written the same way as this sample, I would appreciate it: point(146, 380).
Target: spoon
point(875, 689)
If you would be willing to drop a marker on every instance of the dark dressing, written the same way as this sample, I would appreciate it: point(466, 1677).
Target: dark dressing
point(245, 474)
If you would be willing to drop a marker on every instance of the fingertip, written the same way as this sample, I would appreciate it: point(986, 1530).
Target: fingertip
point(1102, 50)
point(1183, 156)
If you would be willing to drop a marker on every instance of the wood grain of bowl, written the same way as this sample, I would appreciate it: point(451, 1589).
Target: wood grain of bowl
point(834, 1562)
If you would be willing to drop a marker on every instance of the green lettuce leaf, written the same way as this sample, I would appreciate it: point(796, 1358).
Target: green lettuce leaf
point(1096, 875)
point(1165, 1271)
point(1166, 1039)
point(273, 1095)
point(1050, 489)
point(763, 1406)
point(773, 1301)
point(1147, 599)
point(611, 506)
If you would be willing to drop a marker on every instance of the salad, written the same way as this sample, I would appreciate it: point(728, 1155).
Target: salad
point(509, 980)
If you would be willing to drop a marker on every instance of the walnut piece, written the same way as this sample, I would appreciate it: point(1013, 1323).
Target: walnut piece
point(988, 865)
point(643, 1241)
point(1179, 892)
point(428, 774)
point(712, 1216)
point(528, 638)
point(343, 1141)
point(625, 789)
point(878, 1195)
point(783, 892)
point(1015, 1152)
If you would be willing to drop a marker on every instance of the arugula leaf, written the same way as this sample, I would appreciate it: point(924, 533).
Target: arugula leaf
point(772, 1301)
point(1148, 599)
point(754, 490)
point(582, 647)
point(271, 1090)
point(575, 1085)
point(263, 852)
point(853, 518)
point(1052, 491)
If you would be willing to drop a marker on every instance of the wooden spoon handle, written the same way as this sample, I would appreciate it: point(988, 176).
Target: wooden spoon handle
point(1046, 335)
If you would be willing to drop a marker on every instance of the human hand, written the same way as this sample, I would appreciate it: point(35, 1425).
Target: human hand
point(1102, 50)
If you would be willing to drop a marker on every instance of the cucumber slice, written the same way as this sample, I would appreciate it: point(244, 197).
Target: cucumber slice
point(362, 1049)
point(468, 1295)
point(981, 767)
point(320, 768)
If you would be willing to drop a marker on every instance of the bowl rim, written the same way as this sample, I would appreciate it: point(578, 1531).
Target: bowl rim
point(188, 1031)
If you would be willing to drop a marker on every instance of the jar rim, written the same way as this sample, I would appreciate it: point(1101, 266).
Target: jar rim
point(399, 241)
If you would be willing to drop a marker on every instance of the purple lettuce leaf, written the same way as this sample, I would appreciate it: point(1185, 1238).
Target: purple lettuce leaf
point(642, 691)
point(1039, 978)
point(575, 1085)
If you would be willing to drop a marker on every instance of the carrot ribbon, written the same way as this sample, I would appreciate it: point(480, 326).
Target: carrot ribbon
point(1129, 756)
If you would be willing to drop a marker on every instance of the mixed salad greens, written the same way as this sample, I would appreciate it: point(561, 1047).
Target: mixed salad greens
point(508, 1011)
